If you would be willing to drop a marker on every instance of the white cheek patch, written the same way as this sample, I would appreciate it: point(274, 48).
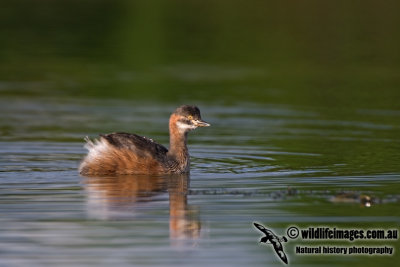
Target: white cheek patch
point(184, 126)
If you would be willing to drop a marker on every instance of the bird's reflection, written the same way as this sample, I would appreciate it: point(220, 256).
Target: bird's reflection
point(110, 198)
point(184, 220)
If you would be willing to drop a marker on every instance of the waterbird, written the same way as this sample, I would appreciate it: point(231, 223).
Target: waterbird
point(124, 153)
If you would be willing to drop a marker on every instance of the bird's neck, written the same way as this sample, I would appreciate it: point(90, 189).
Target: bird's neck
point(178, 143)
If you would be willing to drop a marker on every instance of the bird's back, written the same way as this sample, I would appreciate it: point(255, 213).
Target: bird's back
point(123, 153)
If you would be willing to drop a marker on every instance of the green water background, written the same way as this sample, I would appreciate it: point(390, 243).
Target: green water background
point(335, 54)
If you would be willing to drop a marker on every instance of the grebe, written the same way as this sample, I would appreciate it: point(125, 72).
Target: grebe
point(124, 153)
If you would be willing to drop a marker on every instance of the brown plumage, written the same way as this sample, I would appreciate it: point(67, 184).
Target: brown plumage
point(124, 153)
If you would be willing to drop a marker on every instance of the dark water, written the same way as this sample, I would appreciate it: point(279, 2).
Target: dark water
point(303, 103)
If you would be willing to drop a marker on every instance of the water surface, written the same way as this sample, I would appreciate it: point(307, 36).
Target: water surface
point(278, 165)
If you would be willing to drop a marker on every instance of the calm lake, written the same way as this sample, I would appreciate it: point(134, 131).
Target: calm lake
point(304, 109)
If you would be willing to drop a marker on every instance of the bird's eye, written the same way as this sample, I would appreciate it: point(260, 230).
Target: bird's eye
point(190, 117)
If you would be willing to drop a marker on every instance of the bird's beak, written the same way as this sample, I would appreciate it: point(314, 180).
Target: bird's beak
point(200, 123)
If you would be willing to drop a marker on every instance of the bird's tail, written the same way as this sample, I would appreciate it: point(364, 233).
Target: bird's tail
point(89, 143)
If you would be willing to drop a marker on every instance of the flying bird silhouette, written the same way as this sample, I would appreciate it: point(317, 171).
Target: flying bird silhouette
point(274, 240)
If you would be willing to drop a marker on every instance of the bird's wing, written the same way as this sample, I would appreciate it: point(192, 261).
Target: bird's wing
point(260, 227)
point(279, 250)
point(264, 230)
point(142, 146)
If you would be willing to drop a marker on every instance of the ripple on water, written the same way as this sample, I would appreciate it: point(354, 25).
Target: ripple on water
point(242, 161)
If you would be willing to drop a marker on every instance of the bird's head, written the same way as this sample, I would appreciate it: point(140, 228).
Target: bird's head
point(187, 118)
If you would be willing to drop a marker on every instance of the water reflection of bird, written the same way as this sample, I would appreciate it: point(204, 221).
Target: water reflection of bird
point(274, 240)
point(117, 197)
point(184, 223)
point(123, 153)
